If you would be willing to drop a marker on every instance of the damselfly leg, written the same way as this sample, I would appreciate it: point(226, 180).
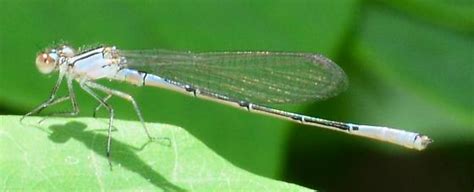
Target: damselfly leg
point(72, 97)
point(111, 118)
point(52, 100)
point(123, 96)
point(94, 113)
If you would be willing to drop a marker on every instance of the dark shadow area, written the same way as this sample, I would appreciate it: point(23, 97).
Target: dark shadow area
point(4, 110)
point(125, 154)
point(352, 167)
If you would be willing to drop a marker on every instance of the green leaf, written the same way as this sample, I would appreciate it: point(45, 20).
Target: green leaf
point(423, 59)
point(454, 14)
point(69, 154)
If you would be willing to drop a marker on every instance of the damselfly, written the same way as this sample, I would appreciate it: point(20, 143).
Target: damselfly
point(250, 80)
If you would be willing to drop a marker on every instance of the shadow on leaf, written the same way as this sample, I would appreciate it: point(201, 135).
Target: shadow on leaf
point(126, 157)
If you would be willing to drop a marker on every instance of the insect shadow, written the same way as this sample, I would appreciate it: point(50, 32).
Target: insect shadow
point(126, 157)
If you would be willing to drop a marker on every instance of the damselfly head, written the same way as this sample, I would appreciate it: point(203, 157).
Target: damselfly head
point(47, 62)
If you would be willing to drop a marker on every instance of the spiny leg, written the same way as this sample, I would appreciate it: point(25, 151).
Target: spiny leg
point(49, 101)
point(124, 96)
point(100, 105)
point(111, 118)
point(72, 97)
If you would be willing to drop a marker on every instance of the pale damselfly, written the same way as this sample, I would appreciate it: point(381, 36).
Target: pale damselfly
point(250, 80)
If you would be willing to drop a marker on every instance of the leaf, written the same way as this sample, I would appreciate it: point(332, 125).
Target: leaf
point(454, 14)
point(425, 59)
point(69, 154)
point(210, 25)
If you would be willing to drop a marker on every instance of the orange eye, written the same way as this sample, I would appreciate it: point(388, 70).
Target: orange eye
point(45, 63)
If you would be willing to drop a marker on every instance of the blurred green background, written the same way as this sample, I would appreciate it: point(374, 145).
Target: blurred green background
point(410, 65)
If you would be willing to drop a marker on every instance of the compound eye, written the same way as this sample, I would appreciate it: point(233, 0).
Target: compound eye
point(45, 63)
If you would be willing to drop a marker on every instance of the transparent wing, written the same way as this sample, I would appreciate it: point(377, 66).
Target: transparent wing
point(257, 77)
